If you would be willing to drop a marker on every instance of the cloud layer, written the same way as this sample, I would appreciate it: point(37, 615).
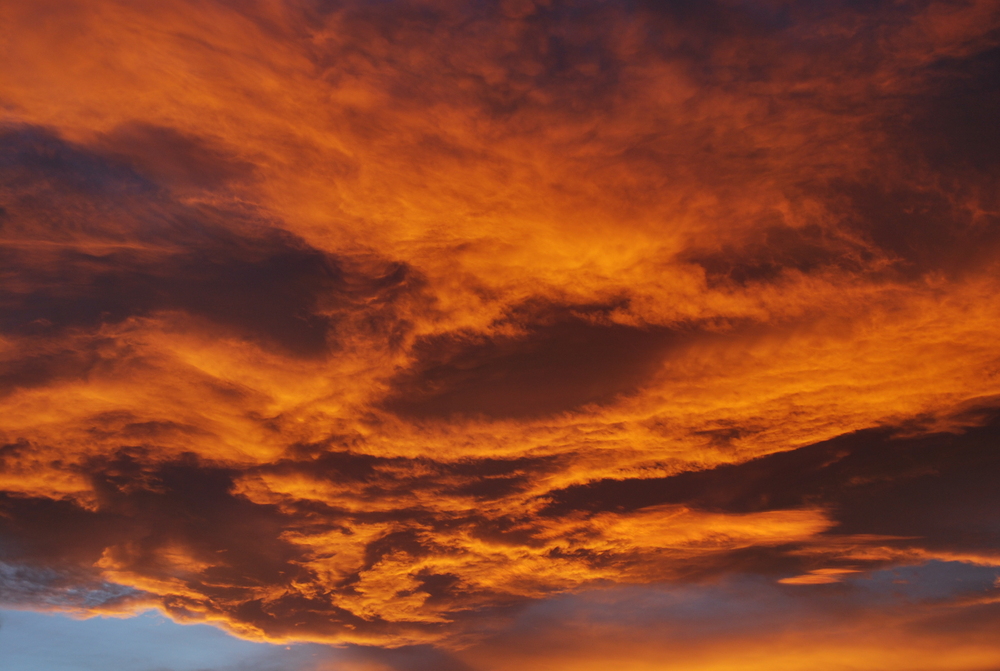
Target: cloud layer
point(374, 323)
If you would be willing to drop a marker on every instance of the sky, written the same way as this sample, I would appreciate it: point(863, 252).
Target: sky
point(451, 335)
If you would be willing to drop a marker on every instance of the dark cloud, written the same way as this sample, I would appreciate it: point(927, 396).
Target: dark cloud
point(142, 512)
point(43, 368)
point(40, 169)
point(561, 363)
point(182, 520)
point(228, 267)
point(938, 489)
point(177, 522)
point(373, 477)
point(920, 230)
point(174, 159)
point(33, 586)
point(772, 251)
point(57, 533)
point(884, 233)
point(191, 505)
point(949, 124)
point(181, 523)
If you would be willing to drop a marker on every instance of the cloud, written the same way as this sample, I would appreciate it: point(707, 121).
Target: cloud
point(29, 586)
point(110, 262)
point(753, 624)
point(560, 364)
point(349, 546)
point(376, 323)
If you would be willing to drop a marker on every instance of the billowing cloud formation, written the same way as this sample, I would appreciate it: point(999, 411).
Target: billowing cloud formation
point(374, 322)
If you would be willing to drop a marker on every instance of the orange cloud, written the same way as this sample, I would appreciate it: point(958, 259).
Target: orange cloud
point(369, 323)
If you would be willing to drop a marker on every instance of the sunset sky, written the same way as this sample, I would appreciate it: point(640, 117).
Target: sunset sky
point(452, 335)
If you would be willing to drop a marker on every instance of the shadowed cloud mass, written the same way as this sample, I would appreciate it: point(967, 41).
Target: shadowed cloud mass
point(400, 325)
